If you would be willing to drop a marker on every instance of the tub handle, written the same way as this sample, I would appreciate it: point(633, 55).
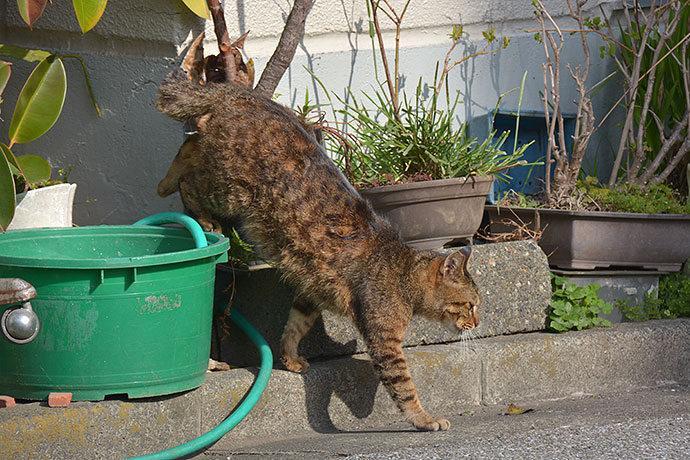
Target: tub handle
point(19, 324)
point(177, 218)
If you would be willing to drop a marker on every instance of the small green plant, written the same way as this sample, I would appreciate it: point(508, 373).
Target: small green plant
point(241, 253)
point(419, 142)
point(589, 195)
point(388, 136)
point(672, 300)
point(576, 307)
point(628, 197)
point(518, 199)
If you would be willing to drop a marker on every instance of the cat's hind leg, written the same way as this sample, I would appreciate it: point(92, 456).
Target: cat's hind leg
point(302, 317)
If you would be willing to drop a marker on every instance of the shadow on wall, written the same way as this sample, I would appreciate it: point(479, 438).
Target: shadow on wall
point(267, 311)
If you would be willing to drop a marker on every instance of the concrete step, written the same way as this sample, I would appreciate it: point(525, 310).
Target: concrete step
point(344, 394)
point(513, 280)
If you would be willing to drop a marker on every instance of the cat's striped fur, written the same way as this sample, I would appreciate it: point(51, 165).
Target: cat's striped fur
point(254, 159)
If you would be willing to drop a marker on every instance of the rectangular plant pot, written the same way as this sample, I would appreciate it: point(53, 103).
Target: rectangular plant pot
point(585, 240)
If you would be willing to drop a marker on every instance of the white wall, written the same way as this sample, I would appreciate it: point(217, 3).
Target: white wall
point(118, 159)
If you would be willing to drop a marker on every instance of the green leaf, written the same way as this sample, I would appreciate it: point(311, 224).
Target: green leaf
point(5, 72)
point(25, 54)
point(86, 79)
point(198, 7)
point(40, 102)
point(31, 10)
point(575, 292)
point(12, 160)
point(7, 190)
point(35, 168)
point(557, 325)
point(558, 304)
point(88, 12)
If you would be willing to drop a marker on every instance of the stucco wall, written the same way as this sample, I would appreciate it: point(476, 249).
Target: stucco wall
point(117, 160)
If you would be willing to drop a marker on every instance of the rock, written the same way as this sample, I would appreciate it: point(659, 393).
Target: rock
point(513, 279)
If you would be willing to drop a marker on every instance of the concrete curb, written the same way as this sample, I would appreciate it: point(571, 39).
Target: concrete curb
point(344, 394)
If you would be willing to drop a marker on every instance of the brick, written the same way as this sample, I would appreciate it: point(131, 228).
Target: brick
point(59, 399)
point(7, 401)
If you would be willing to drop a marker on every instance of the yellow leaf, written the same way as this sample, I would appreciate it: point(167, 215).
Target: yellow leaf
point(515, 410)
point(88, 12)
point(198, 7)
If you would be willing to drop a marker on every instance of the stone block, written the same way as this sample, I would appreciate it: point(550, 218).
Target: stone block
point(513, 279)
point(599, 360)
point(99, 430)
point(515, 283)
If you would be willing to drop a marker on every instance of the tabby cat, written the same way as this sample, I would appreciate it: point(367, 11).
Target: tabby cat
point(255, 159)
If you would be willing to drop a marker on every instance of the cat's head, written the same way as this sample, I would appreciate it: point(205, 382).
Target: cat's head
point(454, 299)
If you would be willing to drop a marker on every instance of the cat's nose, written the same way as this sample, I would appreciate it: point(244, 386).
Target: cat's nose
point(474, 315)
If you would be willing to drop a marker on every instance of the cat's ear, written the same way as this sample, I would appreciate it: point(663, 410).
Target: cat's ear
point(455, 266)
point(193, 63)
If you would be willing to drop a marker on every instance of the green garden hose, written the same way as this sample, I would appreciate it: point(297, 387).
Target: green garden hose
point(242, 410)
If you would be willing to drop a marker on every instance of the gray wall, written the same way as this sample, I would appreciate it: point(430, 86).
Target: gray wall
point(118, 159)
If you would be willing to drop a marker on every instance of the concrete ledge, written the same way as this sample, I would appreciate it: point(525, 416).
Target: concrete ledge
point(513, 279)
point(344, 394)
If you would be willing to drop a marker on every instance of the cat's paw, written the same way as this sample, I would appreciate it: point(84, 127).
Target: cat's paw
point(210, 225)
point(428, 423)
point(298, 364)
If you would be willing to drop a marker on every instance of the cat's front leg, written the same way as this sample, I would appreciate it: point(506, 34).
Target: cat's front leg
point(302, 317)
point(391, 367)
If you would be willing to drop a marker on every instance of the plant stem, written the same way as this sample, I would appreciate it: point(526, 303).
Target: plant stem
point(384, 57)
point(285, 51)
point(221, 30)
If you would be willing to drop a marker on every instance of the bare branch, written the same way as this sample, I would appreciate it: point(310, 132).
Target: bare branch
point(586, 31)
point(640, 155)
point(633, 87)
point(674, 138)
point(285, 51)
point(394, 95)
point(221, 30)
point(680, 154)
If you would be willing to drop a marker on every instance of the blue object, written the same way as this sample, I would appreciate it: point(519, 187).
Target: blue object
point(532, 128)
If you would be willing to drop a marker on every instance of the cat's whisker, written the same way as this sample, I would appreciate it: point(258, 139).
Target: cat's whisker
point(466, 338)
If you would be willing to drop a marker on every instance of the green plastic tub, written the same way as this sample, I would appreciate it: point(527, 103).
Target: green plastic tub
point(122, 309)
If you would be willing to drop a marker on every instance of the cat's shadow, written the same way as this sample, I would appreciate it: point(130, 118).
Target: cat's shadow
point(350, 380)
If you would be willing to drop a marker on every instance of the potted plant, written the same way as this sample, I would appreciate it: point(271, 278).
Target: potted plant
point(586, 225)
point(38, 107)
point(28, 196)
point(410, 160)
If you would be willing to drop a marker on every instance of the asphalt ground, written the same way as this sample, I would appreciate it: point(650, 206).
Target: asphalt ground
point(652, 423)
